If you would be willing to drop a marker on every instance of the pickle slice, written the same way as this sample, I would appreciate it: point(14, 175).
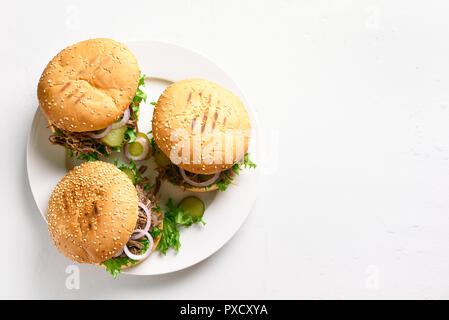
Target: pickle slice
point(140, 148)
point(161, 159)
point(193, 205)
point(130, 175)
point(143, 135)
point(135, 149)
point(115, 137)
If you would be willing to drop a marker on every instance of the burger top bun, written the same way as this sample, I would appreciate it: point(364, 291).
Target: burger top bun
point(209, 117)
point(92, 212)
point(88, 85)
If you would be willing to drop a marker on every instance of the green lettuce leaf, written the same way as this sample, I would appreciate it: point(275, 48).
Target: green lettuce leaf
point(139, 97)
point(225, 179)
point(174, 217)
point(131, 135)
point(132, 166)
point(114, 265)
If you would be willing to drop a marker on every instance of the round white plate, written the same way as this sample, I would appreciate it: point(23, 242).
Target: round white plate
point(163, 63)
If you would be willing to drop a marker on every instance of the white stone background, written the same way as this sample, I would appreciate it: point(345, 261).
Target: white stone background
point(354, 201)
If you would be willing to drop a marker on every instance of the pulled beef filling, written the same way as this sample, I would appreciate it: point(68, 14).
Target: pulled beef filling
point(82, 143)
point(79, 142)
point(149, 200)
point(172, 174)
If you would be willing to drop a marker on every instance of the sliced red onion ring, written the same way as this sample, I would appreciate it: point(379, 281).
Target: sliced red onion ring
point(145, 151)
point(147, 253)
point(122, 122)
point(101, 134)
point(118, 254)
point(198, 184)
point(138, 235)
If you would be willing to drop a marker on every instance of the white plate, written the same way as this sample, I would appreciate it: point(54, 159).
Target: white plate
point(164, 63)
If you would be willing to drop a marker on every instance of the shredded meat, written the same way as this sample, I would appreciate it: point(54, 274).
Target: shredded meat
point(135, 244)
point(79, 142)
point(148, 198)
point(82, 143)
point(172, 174)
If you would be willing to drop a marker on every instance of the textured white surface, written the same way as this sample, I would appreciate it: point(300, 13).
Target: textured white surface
point(354, 201)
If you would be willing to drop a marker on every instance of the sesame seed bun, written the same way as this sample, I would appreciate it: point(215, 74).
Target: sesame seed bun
point(155, 243)
point(201, 108)
point(92, 212)
point(88, 85)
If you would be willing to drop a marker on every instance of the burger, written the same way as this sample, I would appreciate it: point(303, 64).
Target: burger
point(97, 215)
point(201, 133)
point(90, 94)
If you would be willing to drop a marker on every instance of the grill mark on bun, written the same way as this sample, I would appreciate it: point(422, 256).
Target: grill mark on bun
point(79, 99)
point(200, 107)
point(97, 67)
point(190, 97)
point(70, 95)
point(215, 120)
point(102, 205)
point(205, 118)
point(65, 86)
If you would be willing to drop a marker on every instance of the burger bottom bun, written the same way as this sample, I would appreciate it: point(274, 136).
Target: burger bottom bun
point(196, 189)
point(200, 189)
